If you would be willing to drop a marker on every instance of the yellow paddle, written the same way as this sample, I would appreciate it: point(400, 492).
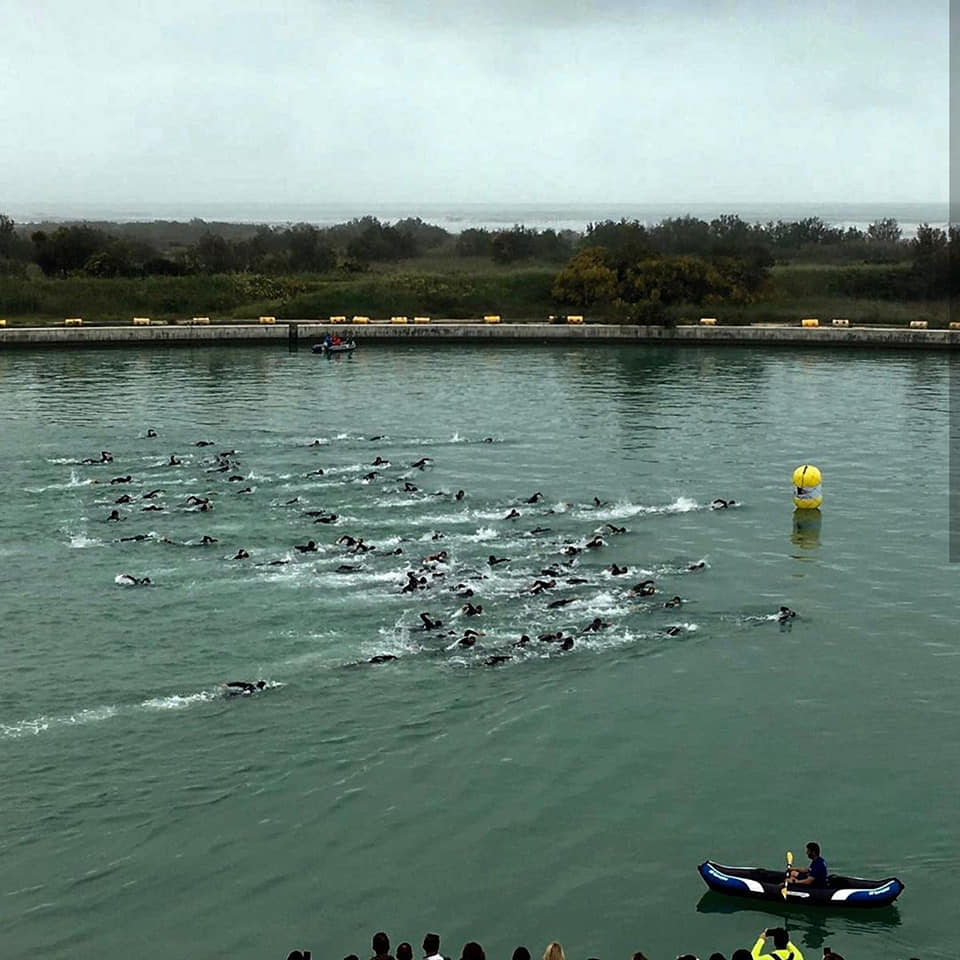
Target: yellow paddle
point(783, 892)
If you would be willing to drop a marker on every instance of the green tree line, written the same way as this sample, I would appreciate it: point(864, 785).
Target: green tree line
point(640, 272)
point(619, 268)
point(165, 247)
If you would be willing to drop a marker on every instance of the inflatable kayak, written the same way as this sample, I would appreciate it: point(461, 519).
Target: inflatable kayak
point(348, 347)
point(758, 884)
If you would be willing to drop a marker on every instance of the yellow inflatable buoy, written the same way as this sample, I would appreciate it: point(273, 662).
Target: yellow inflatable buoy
point(807, 494)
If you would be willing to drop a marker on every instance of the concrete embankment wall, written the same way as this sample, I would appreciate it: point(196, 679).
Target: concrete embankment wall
point(307, 332)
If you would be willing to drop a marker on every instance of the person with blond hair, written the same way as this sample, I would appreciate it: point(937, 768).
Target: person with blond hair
point(554, 951)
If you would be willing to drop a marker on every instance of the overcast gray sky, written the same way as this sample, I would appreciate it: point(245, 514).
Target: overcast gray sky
point(482, 101)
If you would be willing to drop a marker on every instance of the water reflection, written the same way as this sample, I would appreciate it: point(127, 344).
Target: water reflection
point(638, 368)
point(806, 529)
point(641, 390)
point(814, 927)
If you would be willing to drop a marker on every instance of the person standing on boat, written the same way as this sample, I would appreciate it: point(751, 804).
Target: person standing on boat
point(813, 876)
point(783, 948)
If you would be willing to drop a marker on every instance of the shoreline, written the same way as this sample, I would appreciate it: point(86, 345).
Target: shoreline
point(304, 332)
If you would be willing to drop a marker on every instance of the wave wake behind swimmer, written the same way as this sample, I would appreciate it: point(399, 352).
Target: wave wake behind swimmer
point(44, 723)
point(37, 725)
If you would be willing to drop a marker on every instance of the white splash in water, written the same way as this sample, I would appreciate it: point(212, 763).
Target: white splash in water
point(37, 725)
point(79, 541)
point(179, 701)
point(482, 535)
point(680, 505)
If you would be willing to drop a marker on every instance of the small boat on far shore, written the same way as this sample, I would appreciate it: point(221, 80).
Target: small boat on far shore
point(758, 884)
point(348, 346)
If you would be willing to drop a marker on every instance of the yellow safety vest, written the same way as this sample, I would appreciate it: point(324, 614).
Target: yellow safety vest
point(784, 954)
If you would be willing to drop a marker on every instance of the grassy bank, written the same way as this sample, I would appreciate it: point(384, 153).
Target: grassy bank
point(459, 294)
point(452, 289)
point(801, 290)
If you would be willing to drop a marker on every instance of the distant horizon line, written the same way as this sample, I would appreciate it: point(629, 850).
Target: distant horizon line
point(114, 202)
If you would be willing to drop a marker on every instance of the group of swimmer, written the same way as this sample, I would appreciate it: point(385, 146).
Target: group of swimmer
point(433, 569)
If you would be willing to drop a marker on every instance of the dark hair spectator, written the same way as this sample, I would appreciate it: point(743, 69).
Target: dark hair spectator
point(740, 953)
point(431, 945)
point(472, 951)
point(404, 951)
point(717, 956)
point(521, 953)
point(639, 955)
point(381, 945)
point(351, 956)
point(780, 938)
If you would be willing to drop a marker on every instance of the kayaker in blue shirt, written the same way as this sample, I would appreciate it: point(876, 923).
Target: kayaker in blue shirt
point(816, 874)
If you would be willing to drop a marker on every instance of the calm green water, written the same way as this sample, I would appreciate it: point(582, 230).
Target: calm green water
point(560, 794)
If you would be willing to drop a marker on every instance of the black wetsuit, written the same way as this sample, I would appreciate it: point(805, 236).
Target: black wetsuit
point(244, 686)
